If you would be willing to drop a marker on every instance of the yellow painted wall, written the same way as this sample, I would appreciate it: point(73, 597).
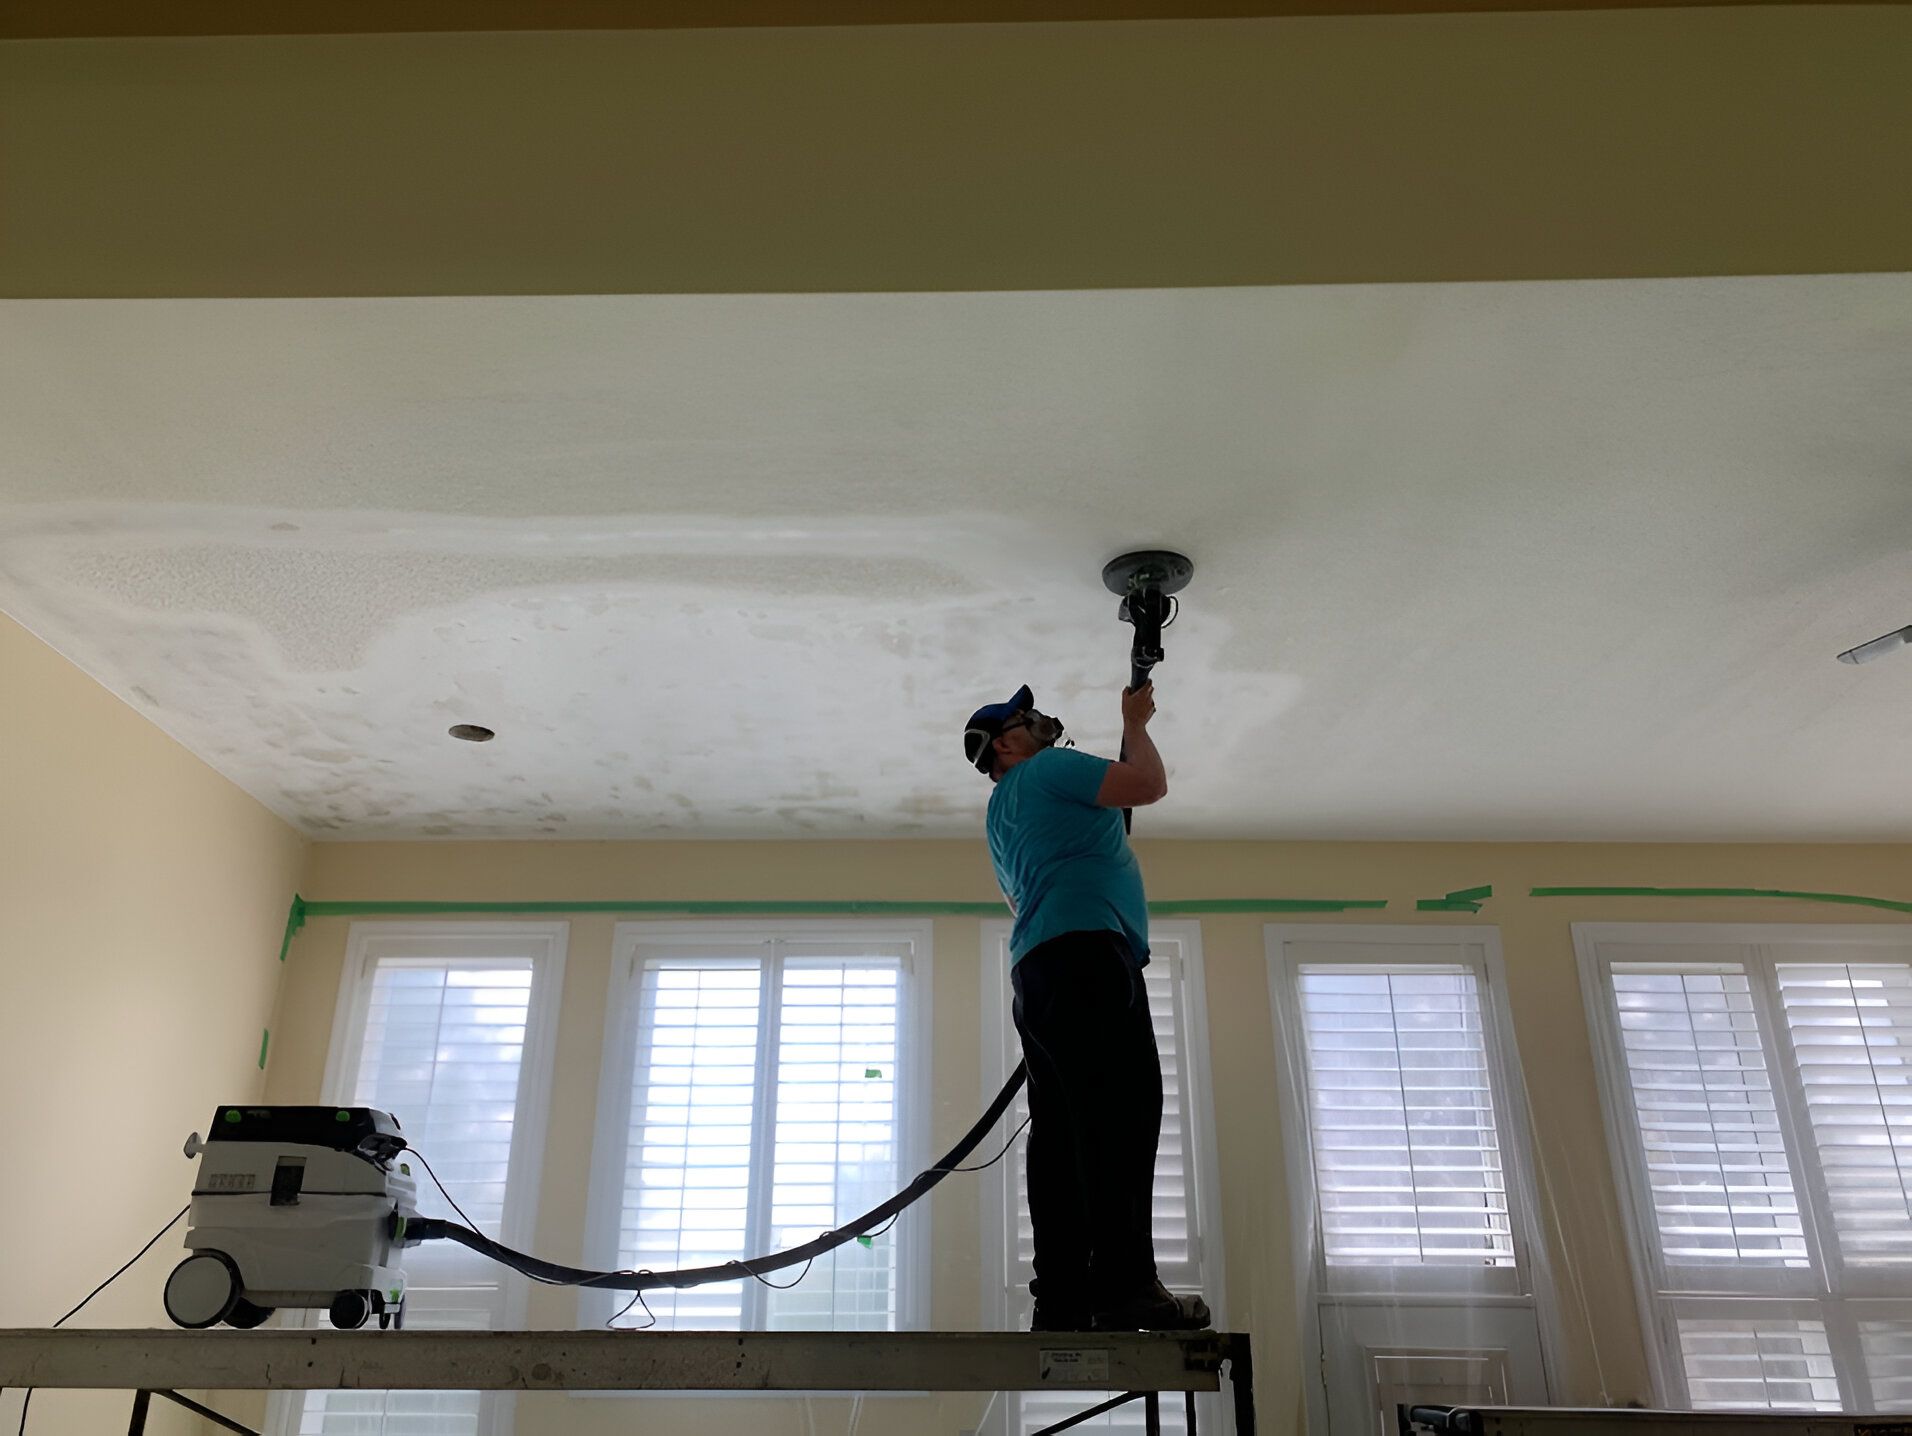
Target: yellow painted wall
point(142, 899)
point(1603, 1358)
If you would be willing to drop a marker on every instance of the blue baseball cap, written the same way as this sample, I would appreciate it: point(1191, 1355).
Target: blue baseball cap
point(985, 726)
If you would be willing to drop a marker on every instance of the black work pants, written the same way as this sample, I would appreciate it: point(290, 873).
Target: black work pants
point(1095, 1107)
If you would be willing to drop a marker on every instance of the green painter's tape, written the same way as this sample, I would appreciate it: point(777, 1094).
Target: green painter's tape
point(294, 920)
point(1848, 898)
point(806, 908)
point(693, 908)
point(265, 1040)
point(1465, 900)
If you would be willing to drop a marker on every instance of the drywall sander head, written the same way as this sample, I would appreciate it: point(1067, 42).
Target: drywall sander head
point(1147, 580)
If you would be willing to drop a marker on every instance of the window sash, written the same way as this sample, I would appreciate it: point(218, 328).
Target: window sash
point(1727, 1204)
point(1375, 1327)
point(1817, 1354)
point(1502, 1265)
point(806, 981)
point(1836, 1312)
point(448, 1288)
point(1409, 1170)
point(1740, 1355)
point(1847, 1027)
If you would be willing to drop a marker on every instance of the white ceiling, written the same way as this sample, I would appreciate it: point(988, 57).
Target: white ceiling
point(1559, 560)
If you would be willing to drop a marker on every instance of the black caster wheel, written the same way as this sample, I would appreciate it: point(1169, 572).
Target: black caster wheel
point(398, 1316)
point(202, 1290)
point(349, 1310)
point(245, 1315)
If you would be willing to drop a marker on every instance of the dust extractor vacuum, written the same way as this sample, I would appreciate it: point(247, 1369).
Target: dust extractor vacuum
point(313, 1206)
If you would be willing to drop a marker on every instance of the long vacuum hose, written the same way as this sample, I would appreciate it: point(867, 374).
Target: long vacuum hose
point(422, 1229)
point(1149, 608)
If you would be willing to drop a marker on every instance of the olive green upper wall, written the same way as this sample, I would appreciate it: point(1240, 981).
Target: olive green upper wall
point(1298, 150)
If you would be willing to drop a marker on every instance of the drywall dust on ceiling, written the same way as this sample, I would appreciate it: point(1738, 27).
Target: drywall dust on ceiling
point(1523, 560)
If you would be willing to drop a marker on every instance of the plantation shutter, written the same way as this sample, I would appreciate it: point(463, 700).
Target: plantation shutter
point(692, 1131)
point(1408, 1167)
point(1758, 1363)
point(1766, 1119)
point(837, 1151)
point(765, 1109)
point(1851, 1032)
point(1405, 1119)
point(442, 1049)
point(1707, 1118)
point(1885, 1346)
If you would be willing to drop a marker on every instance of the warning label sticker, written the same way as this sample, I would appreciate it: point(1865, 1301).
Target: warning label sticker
point(1075, 1366)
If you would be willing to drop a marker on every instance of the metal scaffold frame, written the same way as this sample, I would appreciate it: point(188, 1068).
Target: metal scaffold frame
point(1415, 1420)
point(1142, 1365)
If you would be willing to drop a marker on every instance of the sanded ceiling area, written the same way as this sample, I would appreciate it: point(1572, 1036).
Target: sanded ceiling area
point(1492, 561)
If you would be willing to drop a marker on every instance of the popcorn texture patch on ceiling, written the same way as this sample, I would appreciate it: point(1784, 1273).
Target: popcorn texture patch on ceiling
point(1494, 561)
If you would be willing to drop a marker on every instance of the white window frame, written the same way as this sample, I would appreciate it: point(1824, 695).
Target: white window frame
point(1817, 1292)
point(1408, 1286)
point(544, 945)
point(913, 1231)
point(1001, 1051)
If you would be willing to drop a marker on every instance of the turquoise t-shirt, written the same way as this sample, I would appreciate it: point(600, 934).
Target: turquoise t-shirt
point(1063, 862)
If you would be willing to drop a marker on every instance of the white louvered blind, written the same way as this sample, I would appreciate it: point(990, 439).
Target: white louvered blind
point(837, 1150)
point(764, 1110)
point(1758, 1364)
point(1176, 1227)
point(1406, 1139)
point(1766, 1118)
point(1407, 1155)
point(1851, 1031)
point(1886, 1348)
point(442, 1049)
point(1707, 1118)
point(691, 1139)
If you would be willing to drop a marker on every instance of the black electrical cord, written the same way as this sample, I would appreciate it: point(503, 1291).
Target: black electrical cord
point(786, 1285)
point(1000, 1155)
point(650, 1317)
point(28, 1401)
point(441, 1188)
point(637, 1299)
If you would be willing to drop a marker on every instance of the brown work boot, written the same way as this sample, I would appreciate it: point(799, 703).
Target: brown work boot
point(1157, 1309)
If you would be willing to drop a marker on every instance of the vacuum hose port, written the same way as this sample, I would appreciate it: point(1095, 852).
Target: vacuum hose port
point(1146, 579)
